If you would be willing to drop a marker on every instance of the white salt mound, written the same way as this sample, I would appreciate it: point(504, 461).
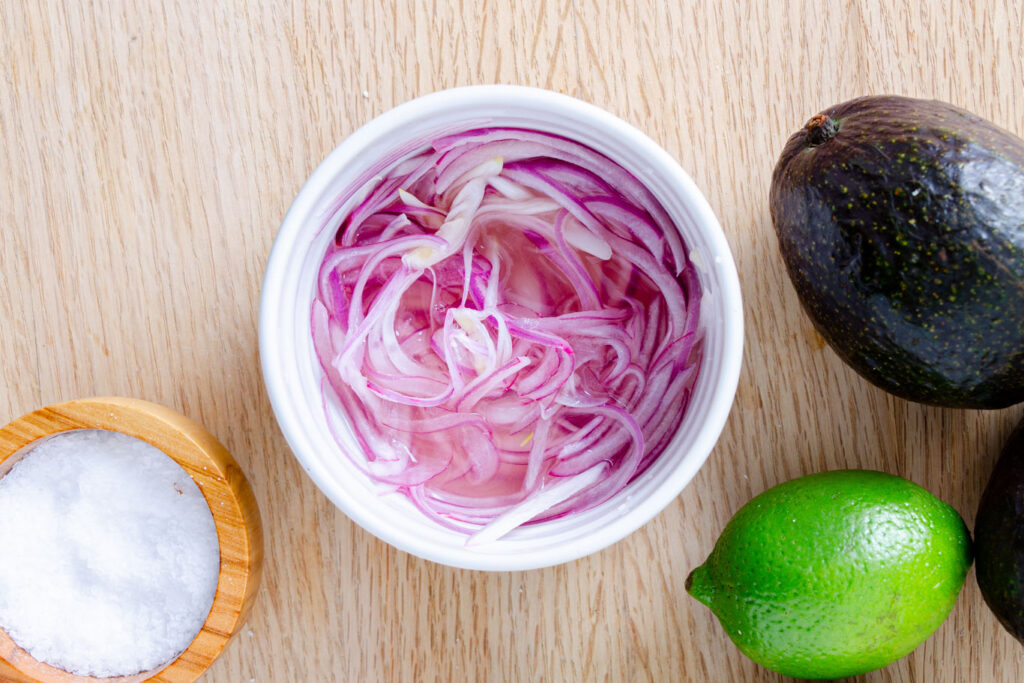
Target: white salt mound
point(108, 554)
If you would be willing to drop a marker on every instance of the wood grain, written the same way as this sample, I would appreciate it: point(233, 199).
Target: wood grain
point(223, 485)
point(152, 148)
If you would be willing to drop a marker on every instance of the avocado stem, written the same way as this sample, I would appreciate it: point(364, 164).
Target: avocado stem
point(820, 129)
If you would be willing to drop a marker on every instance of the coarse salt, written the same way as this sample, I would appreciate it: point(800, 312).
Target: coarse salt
point(109, 554)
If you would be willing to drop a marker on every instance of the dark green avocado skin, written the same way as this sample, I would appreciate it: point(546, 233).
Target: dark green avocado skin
point(901, 223)
point(999, 537)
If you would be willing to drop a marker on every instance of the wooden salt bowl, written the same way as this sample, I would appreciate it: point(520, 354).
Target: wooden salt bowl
point(221, 482)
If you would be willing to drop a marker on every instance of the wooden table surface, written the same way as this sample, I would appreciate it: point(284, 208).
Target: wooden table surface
point(151, 149)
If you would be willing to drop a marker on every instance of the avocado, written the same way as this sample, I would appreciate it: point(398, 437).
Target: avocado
point(999, 537)
point(901, 223)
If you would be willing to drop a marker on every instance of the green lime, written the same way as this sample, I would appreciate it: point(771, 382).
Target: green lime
point(835, 574)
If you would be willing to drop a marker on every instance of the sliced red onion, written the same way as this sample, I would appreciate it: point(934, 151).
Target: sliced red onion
point(510, 324)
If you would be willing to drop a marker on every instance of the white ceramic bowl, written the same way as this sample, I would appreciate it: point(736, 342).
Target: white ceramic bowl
point(293, 375)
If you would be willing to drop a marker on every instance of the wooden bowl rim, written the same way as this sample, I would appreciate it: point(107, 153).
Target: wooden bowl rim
point(221, 481)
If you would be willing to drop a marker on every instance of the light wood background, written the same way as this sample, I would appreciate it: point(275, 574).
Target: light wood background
point(148, 151)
